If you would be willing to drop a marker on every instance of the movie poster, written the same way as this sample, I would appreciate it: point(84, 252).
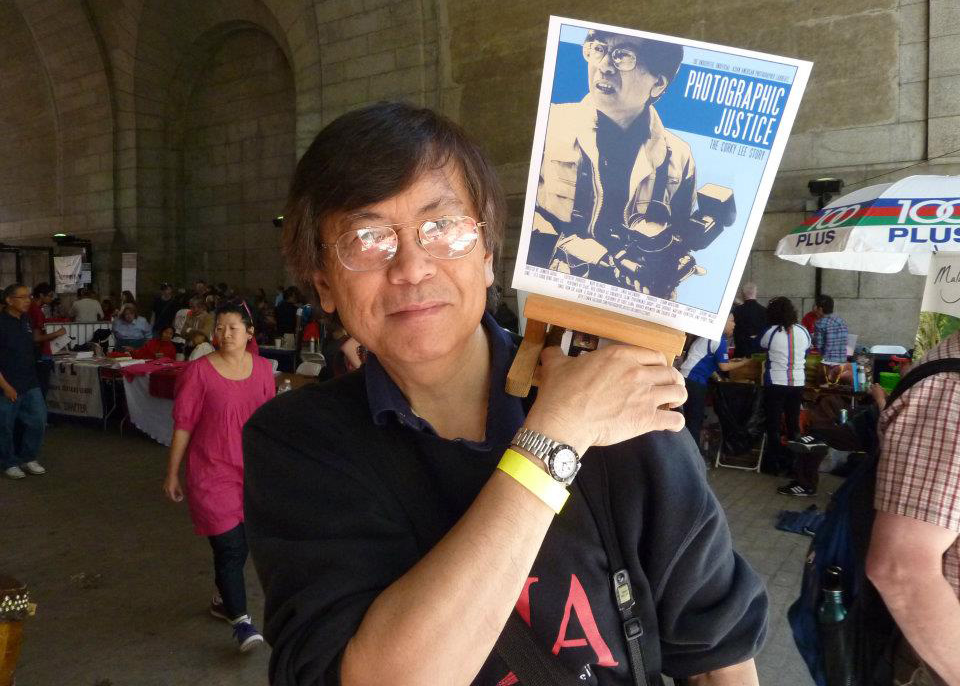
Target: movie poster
point(652, 161)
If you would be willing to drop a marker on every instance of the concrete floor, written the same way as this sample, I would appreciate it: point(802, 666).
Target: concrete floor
point(122, 583)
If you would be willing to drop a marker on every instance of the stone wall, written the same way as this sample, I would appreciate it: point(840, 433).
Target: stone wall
point(29, 195)
point(125, 158)
point(238, 146)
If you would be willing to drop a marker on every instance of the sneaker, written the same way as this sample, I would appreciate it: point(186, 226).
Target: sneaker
point(35, 467)
point(217, 609)
point(806, 444)
point(14, 472)
point(247, 636)
point(793, 488)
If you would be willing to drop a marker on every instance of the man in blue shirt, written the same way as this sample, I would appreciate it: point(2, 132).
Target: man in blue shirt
point(830, 333)
point(22, 400)
point(704, 357)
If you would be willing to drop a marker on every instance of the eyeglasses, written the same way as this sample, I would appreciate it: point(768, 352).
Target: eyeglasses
point(624, 59)
point(372, 247)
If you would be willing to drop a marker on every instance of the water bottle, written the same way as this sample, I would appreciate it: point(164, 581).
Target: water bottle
point(831, 625)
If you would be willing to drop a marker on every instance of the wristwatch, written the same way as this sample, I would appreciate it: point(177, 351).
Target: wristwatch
point(562, 461)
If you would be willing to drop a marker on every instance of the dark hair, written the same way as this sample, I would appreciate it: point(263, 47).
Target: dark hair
point(42, 289)
point(10, 290)
point(368, 155)
point(238, 309)
point(781, 312)
point(825, 303)
point(657, 57)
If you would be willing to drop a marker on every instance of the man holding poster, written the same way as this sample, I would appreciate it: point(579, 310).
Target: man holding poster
point(397, 536)
point(615, 185)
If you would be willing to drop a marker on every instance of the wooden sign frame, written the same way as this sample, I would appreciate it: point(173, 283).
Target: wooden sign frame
point(542, 311)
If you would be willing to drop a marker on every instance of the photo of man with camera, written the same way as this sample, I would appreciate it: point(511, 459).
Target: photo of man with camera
point(616, 201)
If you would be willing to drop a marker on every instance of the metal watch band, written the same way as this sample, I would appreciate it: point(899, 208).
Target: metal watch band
point(535, 443)
point(544, 449)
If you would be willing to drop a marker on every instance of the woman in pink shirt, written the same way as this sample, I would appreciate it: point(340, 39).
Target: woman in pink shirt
point(216, 394)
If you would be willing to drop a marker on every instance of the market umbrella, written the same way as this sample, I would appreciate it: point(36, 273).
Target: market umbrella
point(880, 228)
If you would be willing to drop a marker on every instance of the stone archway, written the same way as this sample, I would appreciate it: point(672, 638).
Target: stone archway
point(233, 141)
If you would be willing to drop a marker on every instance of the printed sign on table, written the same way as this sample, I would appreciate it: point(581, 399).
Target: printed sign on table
point(75, 390)
point(940, 308)
point(652, 161)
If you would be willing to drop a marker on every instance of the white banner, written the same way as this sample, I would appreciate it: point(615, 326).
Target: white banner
point(75, 390)
point(941, 293)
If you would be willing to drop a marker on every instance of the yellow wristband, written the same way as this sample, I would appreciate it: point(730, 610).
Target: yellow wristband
point(534, 479)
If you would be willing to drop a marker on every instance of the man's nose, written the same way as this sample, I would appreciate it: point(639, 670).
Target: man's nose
point(606, 64)
point(412, 264)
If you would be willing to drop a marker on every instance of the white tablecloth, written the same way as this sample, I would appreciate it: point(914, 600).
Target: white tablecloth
point(75, 389)
point(153, 416)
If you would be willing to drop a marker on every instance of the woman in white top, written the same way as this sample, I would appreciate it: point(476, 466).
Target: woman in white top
point(786, 343)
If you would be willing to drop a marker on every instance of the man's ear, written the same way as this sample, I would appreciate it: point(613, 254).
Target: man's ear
point(322, 283)
point(488, 269)
point(659, 87)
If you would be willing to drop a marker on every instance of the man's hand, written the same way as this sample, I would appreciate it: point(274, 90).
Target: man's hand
point(879, 395)
point(351, 353)
point(743, 674)
point(606, 396)
point(60, 332)
point(10, 393)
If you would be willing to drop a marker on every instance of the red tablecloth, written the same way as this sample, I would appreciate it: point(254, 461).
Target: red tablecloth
point(163, 375)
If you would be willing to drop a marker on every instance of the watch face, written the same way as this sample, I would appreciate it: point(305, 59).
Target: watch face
point(564, 463)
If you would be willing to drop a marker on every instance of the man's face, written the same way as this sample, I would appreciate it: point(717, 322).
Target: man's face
point(617, 93)
point(418, 308)
point(19, 301)
point(166, 293)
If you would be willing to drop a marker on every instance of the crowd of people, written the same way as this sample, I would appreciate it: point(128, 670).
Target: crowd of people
point(416, 504)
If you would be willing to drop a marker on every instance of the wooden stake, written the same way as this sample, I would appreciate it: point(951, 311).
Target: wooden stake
point(541, 310)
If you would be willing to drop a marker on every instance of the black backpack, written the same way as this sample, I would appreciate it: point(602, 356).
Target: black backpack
point(843, 540)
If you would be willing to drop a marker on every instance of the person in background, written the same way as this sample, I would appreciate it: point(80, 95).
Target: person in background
point(200, 288)
point(200, 346)
point(42, 297)
point(278, 298)
point(810, 319)
point(786, 343)
point(200, 319)
point(286, 311)
point(165, 308)
point(704, 357)
point(215, 396)
point(126, 298)
point(86, 308)
point(183, 311)
point(157, 347)
point(829, 333)
point(23, 412)
point(914, 554)
point(108, 309)
point(129, 329)
point(751, 321)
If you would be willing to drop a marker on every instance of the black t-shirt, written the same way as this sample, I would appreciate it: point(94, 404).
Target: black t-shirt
point(164, 312)
point(328, 534)
point(17, 352)
point(286, 314)
point(750, 319)
point(618, 150)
